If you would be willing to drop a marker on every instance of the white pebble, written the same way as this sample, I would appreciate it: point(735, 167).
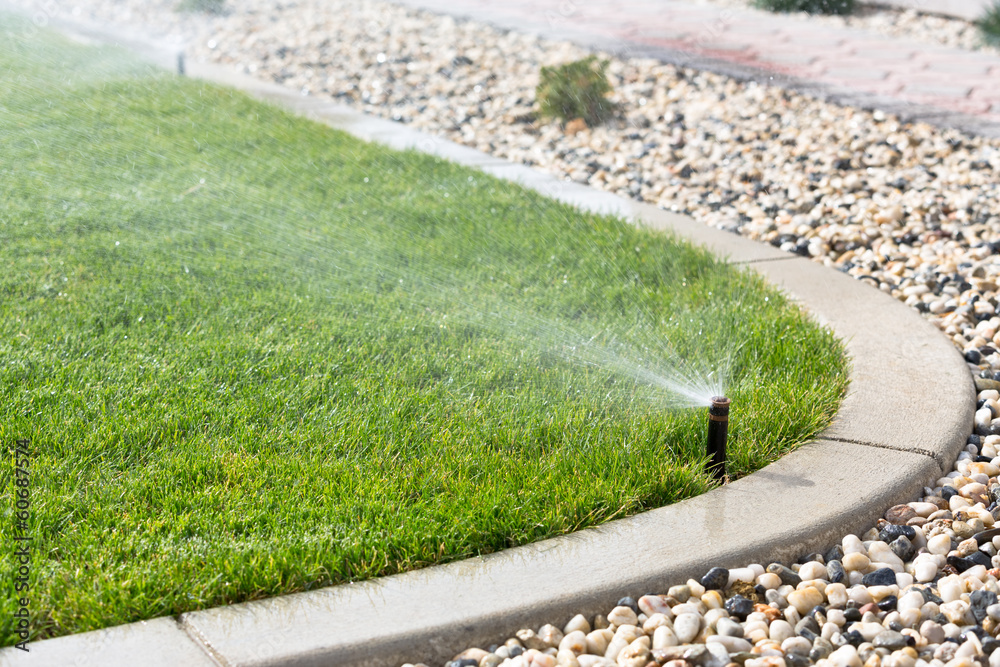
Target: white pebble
point(578, 622)
point(575, 641)
point(598, 640)
point(742, 574)
point(687, 627)
point(856, 562)
point(799, 645)
point(939, 545)
point(566, 658)
point(950, 588)
point(654, 604)
point(623, 616)
point(656, 621)
point(781, 630)
point(813, 570)
point(732, 644)
point(932, 632)
point(836, 594)
point(925, 570)
point(805, 599)
point(664, 637)
point(924, 509)
point(852, 544)
point(712, 616)
point(910, 618)
point(860, 595)
point(846, 656)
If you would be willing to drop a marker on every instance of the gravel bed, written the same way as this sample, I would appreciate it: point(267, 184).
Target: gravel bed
point(918, 589)
point(912, 209)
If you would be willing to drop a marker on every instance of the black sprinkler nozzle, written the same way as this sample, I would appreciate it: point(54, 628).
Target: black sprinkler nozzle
point(718, 431)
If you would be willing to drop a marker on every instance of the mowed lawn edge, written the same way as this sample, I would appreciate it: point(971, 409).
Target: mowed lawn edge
point(253, 355)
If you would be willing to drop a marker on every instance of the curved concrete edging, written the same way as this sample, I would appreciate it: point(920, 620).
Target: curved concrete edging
point(908, 412)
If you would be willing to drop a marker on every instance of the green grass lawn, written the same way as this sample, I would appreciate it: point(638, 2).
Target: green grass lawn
point(254, 355)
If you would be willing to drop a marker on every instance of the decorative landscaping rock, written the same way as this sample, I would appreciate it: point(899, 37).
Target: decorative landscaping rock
point(939, 607)
point(623, 616)
point(900, 514)
point(716, 579)
point(739, 607)
point(687, 626)
point(880, 577)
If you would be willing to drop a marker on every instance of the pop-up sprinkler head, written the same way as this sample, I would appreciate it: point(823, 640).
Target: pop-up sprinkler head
point(718, 429)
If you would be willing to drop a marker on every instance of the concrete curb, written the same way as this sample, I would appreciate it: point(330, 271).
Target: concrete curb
point(909, 409)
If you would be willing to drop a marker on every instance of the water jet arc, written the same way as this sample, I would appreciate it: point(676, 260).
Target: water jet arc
point(718, 431)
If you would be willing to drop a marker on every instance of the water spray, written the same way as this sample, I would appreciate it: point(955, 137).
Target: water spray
point(718, 430)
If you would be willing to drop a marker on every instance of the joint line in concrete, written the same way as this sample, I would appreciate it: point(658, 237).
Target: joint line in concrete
point(763, 260)
point(915, 450)
point(201, 641)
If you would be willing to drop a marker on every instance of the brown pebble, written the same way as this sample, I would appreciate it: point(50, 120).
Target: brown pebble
point(900, 514)
point(916, 521)
point(962, 530)
point(769, 612)
point(600, 622)
point(870, 607)
point(937, 500)
point(985, 384)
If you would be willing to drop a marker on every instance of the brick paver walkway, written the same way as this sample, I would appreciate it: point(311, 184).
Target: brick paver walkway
point(946, 86)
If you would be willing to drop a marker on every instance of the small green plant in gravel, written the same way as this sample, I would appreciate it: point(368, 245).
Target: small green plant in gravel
point(202, 6)
point(841, 7)
point(989, 24)
point(578, 89)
